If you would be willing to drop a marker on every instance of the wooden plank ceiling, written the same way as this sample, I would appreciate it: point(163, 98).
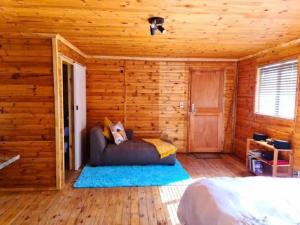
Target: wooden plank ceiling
point(201, 28)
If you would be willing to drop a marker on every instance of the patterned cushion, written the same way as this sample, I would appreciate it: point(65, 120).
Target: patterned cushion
point(118, 132)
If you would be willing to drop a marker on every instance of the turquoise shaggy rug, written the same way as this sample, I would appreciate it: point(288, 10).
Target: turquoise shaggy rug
point(131, 176)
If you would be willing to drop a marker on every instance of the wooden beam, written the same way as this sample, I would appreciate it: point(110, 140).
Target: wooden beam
point(58, 116)
point(70, 45)
point(161, 59)
point(28, 35)
point(269, 50)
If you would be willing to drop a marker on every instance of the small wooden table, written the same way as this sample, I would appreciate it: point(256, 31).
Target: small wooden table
point(274, 164)
point(7, 160)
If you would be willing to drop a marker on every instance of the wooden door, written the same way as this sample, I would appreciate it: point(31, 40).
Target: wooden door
point(206, 111)
point(79, 79)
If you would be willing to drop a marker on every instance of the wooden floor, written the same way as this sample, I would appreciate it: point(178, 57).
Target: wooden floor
point(147, 205)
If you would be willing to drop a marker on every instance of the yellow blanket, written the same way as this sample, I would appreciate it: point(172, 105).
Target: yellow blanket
point(164, 148)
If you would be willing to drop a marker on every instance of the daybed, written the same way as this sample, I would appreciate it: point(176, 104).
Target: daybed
point(131, 152)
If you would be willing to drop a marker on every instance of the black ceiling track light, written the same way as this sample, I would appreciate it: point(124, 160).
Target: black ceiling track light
point(156, 23)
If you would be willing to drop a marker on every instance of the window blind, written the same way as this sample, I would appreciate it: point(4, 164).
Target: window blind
point(276, 90)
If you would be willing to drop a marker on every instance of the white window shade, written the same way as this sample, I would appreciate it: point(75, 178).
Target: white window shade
point(276, 89)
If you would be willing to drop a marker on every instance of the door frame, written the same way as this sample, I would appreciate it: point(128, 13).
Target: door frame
point(58, 102)
point(58, 59)
point(203, 68)
point(57, 56)
point(70, 65)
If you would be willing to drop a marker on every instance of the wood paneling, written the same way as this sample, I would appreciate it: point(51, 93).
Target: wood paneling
point(247, 121)
point(105, 91)
point(108, 206)
point(153, 93)
point(218, 28)
point(27, 111)
point(145, 95)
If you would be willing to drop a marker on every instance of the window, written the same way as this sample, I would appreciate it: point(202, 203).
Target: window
point(276, 90)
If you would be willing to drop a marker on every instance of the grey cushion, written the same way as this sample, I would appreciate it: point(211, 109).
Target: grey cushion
point(97, 145)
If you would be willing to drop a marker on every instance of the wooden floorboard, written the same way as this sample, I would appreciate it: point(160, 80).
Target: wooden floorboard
point(111, 206)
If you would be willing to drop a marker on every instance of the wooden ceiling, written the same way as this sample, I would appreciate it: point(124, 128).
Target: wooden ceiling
point(196, 28)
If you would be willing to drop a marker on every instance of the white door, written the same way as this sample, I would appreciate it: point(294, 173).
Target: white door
point(79, 113)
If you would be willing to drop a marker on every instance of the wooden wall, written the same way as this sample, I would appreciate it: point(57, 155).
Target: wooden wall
point(247, 121)
point(145, 95)
point(27, 111)
point(153, 92)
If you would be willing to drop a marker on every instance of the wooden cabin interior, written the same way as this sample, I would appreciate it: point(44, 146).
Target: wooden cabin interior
point(149, 112)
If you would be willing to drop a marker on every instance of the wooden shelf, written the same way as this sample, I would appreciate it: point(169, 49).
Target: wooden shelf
point(267, 161)
point(274, 165)
point(270, 147)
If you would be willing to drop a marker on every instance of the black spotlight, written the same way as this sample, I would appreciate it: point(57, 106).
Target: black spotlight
point(156, 23)
point(161, 29)
point(153, 29)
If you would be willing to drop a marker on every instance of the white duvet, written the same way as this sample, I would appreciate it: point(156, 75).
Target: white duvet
point(247, 201)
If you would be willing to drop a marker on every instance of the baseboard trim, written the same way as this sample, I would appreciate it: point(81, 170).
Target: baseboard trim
point(28, 189)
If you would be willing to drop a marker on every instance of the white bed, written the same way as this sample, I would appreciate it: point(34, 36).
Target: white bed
point(247, 201)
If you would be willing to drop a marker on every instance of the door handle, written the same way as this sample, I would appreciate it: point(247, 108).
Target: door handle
point(193, 108)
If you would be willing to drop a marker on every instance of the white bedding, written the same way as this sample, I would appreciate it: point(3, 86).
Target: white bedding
point(247, 201)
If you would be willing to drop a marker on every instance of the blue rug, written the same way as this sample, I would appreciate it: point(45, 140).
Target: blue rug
point(131, 176)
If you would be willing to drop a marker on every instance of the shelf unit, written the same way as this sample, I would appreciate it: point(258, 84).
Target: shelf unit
point(266, 147)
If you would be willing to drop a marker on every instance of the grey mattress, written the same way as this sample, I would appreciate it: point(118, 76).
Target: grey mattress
point(134, 152)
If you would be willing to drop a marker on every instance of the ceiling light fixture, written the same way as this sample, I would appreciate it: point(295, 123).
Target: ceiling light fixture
point(161, 29)
point(156, 23)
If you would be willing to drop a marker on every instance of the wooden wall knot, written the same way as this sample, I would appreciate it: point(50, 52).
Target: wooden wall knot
point(34, 88)
point(15, 76)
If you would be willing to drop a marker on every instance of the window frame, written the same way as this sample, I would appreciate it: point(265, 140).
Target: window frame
point(257, 89)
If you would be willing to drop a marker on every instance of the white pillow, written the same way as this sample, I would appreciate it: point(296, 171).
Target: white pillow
point(118, 132)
